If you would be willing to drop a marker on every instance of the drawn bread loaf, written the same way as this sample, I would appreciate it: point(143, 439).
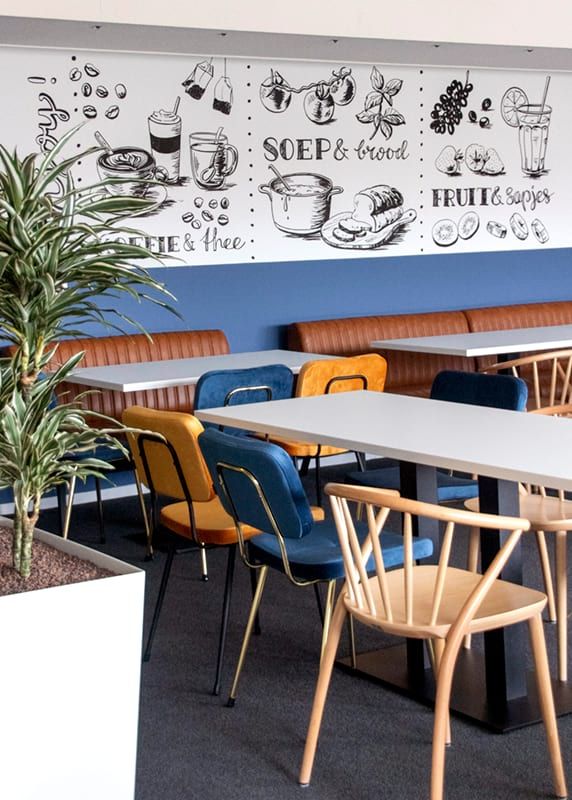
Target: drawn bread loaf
point(377, 206)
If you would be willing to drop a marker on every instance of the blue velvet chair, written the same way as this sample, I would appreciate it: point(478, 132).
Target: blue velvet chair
point(496, 391)
point(229, 387)
point(259, 486)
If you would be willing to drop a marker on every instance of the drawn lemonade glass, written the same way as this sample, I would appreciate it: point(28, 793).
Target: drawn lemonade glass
point(533, 126)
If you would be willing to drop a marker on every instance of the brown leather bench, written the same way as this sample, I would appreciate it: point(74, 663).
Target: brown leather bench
point(134, 348)
point(413, 373)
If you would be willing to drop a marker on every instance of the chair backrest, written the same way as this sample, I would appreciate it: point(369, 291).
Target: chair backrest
point(397, 600)
point(257, 483)
point(228, 387)
point(342, 375)
point(167, 455)
point(548, 376)
point(478, 389)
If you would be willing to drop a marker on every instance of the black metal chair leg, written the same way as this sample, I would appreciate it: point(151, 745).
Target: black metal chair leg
point(257, 630)
point(159, 603)
point(225, 613)
point(305, 466)
point(100, 511)
point(360, 458)
point(318, 483)
point(319, 602)
point(61, 493)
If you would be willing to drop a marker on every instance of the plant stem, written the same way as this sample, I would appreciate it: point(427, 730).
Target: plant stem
point(25, 522)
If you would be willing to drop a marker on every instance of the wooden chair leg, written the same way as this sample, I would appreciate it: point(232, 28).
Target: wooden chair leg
point(472, 565)
point(330, 599)
point(321, 692)
point(247, 634)
point(546, 574)
point(547, 702)
point(562, 604)
point(204, 567)
point(438, 648)
point(441, 723)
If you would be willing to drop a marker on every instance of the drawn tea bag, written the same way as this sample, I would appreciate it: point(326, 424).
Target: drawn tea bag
point(199, 79)
point(222, 100)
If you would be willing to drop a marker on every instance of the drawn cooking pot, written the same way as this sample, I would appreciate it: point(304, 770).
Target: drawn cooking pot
point(303, 207)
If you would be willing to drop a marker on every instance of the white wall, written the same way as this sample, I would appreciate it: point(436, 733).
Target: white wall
point(511, 22)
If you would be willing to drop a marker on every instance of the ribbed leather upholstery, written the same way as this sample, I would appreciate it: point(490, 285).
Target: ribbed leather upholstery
point(527, 315)
point(407, 373)
point(135, 348)
point(412, 373)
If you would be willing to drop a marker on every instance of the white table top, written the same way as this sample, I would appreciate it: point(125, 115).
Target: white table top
point(502, 444)
point(181, 371)
point(485, 343)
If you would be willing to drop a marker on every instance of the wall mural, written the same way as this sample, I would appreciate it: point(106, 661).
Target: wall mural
point(276, 161)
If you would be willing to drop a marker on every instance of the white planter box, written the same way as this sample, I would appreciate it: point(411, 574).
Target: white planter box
point(70, 660)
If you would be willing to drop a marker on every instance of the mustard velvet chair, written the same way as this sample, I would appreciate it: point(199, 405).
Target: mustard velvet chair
point(328, 376)
point(169, 463)
point(436, 602)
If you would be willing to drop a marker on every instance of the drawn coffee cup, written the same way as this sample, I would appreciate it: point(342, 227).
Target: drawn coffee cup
point(132, 167)
point(213, 159)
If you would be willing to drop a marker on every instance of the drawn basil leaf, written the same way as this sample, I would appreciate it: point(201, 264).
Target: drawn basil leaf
point(376, 79)
point(393, 86)
point(385, 128)
point(394, 118)
point(372, 99)
point(366, 116)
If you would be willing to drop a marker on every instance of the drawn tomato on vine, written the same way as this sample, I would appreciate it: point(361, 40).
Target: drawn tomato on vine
point(319, 104)
point(378, 106)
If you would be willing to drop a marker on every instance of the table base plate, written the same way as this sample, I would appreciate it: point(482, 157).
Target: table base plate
point(468, 699)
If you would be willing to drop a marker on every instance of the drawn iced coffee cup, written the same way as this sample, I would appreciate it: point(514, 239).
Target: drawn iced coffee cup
point(213, 159)
point(165, 135)
point(533, 127)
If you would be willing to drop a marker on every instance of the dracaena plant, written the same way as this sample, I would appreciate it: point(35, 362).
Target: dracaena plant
point(63, 249)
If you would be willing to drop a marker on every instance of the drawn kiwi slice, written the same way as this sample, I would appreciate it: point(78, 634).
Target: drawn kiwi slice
point(445, 232)
point(468, 224)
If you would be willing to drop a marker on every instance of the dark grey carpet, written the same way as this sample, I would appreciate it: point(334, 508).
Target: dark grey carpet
point(374, 743)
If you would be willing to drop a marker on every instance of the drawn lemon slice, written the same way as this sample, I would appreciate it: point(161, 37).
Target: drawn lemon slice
point(511, 100)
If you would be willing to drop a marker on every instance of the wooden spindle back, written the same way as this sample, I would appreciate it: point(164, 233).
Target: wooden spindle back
point(548, 376)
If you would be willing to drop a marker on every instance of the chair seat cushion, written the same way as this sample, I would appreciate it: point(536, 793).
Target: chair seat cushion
point(214, 525)
point(317, 556)
point(449, 487)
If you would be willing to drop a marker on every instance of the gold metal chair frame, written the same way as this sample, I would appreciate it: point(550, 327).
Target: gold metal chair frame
point(263, 569)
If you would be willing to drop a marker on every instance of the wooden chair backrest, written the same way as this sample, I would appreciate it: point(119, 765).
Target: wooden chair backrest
point(548, 375)
point(419, 615)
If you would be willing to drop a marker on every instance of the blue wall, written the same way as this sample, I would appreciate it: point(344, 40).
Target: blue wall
point(253, 303)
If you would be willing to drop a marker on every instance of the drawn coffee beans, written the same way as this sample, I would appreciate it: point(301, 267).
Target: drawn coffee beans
point(92, 71)
point(90, 112)
point(112, 112)
point(120, 91)
point(86, 89)
point(75, 74)
point(225, 202)
point(222, 219)
point(101, 91)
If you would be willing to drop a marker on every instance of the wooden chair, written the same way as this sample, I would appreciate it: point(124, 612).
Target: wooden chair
point(327, 376)
point(437, 603)
point(548, 376)
point(258, 484)
point(546, 514)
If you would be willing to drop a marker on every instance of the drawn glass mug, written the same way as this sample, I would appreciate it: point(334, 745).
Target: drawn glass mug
point(212, 159)
point(136, 168)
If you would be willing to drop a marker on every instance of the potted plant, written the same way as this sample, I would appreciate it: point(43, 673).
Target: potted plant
point(62, 249)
